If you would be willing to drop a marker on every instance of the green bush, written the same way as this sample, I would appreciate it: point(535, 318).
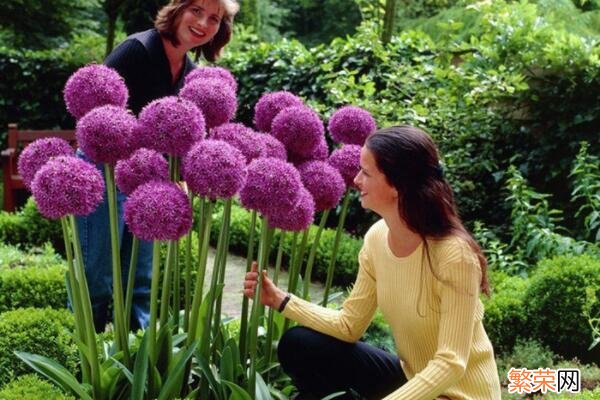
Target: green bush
point(555, 301)
point(31, 279)
point(43, 331)
point(528, 354)
point(505, 315)
point(31, 387)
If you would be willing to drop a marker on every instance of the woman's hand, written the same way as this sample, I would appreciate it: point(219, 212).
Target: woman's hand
point(270, 294)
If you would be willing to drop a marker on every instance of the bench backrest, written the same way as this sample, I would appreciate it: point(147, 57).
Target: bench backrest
point(18, 139)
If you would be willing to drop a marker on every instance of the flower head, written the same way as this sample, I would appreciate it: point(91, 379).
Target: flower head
point(67, 185)
point(351, 125)
point(241, 137)
point(347, 160)
point(93, 86)
point(324, 182)
point(272, 147)
point(299, 129)
point(269, 105)
point(144, 165)
point(171, 125)
point(216, 100)
point(105, 133)
point(271, 187)
point(38, 153)
point(299, 218)
point(158, 211)
point(214, 169)
point(320, 152)
point(213, 73)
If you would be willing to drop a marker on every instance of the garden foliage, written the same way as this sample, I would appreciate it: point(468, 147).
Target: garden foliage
point(31, 387)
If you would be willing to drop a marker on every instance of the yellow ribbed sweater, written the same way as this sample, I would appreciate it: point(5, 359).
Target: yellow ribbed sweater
point(439, 336)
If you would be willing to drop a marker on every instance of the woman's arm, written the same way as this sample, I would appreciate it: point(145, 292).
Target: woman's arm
point(347, 324)
point(459, 283)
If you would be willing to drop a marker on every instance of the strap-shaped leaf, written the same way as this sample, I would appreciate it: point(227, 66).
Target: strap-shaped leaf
point(237, 393)
point(140, 370)
point(170, 386)
point(262, 390)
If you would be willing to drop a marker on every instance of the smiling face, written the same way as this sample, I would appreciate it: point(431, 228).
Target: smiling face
point(376, 193)
point(199, 23)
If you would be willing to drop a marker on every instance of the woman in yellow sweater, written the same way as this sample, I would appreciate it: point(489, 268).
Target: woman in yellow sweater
point(424, 271)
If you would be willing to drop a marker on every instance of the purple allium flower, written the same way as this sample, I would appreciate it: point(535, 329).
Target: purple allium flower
point(105, 133)
point(241, 137)
point(213, 73)
point(272, 147)
point(351, 125)
point(320, 152)
point(324, 183)
point(144, 165)
point(299, 218)
point(272, 186)
point(216, 100)
point(38, 153)
point(299, 129)
point(269, 105)
point(214, 169)
point(347, 160)
point(93, 86)
point(67, 185)
point(171, 125)
point(158, 211)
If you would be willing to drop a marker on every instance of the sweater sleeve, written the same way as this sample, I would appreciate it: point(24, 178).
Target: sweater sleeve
point(349, 323)
point(460, 276)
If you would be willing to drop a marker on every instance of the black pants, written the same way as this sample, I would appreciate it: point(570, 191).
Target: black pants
point(320, 365)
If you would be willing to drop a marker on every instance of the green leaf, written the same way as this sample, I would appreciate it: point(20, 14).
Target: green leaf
point(237, 393)
point(170, 387)
point(55, 372)
point(140, 370)
point(262, 390)
point(226, 365)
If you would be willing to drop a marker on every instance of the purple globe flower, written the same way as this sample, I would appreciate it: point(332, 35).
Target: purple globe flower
point(272, 186)
point(213, 73)
point(105, 133)
point(347, 160)
point(324, 183)
point(269, 105)
point(93, 86)
point(144, 165)
point(158, 211)
point(241, 137)
point(67, 185)
point(351, 125)
point(171, 125)
point(299, 129)
point(216, 100)
point(320, 152)
point(272, 147)
point(38, 153)
point(299, 218)
point(214, 169)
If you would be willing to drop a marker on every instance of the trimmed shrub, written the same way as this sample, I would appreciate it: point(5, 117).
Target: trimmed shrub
point(31, 387)
point(555, 300)
point(40, 331)
point(505, 316)
point(528, 354)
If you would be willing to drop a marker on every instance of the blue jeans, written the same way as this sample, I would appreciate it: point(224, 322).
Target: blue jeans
point(94, 235)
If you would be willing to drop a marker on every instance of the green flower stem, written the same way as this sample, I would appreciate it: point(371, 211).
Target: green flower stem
point(336, 245)
point(153, 353)
point(269, 340)
point(295, 270)
point(293, 255)
point(222, 265)
point(75, 297)
point(166, 283)
point(176, 298)
point(118, 303)
point(86, 307)
point(197, 300)
point(244, 318)
point(313, 252)
point(188, 266)
point(263, 252)
point(135, 245)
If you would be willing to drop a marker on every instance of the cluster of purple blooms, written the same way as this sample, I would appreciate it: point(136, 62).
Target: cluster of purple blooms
point(283, 169)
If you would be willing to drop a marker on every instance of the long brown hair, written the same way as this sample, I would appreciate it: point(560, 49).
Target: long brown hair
point(169, 16)
point(409, 159)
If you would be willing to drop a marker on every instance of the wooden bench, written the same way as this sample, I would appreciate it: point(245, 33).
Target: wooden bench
point(17, 140)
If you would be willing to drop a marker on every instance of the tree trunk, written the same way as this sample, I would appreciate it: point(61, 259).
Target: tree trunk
point(389, 19)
